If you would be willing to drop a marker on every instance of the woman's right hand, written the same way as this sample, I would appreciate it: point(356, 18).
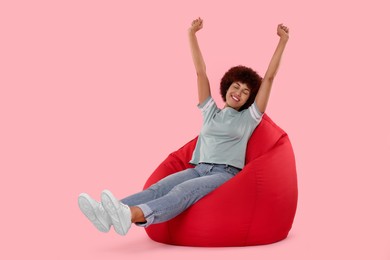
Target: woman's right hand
point(196, 25)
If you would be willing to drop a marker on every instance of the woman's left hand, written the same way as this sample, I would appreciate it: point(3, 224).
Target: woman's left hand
point(282, 31)
point(196, 25)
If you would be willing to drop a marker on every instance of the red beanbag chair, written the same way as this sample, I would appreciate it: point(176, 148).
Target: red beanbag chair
point(255, 207)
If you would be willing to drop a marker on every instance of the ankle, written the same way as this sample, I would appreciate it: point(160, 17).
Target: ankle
point(137, 215)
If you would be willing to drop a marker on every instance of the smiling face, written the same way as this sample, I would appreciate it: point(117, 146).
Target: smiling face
point(237, 95)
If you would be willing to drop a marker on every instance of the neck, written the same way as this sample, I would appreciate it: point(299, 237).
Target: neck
point(226, 105)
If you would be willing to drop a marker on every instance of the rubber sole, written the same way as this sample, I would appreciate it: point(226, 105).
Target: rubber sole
point(119, 218)
point(86, 206)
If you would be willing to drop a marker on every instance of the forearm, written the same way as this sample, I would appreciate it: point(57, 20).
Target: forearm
point(266, 84)
point(197, 57)
point(275, 60)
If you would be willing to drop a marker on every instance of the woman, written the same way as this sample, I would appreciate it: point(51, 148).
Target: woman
point(220, 150)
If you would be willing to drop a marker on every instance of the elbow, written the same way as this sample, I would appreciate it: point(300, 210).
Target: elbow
point(201, 73)
point(269, 78)
point(201, 70)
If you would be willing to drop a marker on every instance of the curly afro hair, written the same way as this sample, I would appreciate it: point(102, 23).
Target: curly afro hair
point(245, 75)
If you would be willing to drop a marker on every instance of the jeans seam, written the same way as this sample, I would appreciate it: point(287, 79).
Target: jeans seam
point(185, 198)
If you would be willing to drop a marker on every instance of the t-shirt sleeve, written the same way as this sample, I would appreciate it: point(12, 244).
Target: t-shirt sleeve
point(254, 114)
point(208, 109)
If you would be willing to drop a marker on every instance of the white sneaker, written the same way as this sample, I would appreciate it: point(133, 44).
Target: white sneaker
point(119, 213)
point(95, 212)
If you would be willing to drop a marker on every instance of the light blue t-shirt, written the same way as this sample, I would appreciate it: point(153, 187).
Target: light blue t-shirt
point(225, 133)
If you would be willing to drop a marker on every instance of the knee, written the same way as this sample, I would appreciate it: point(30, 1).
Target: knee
point(182, 194)
point(156, 189)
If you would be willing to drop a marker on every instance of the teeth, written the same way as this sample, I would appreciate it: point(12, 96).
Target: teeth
point(236, 99)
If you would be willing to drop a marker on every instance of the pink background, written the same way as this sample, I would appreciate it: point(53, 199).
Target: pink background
point(95, 94)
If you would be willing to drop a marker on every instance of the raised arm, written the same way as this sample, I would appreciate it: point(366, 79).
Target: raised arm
point(266, 84)
point(197, 58)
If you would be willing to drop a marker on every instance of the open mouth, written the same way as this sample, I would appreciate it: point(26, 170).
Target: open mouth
point(235, 98)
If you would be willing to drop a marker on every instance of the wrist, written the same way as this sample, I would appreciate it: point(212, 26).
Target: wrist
point(191, 31)
point(284, 39)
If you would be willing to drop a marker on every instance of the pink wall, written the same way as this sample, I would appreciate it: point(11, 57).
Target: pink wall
point(94, 94)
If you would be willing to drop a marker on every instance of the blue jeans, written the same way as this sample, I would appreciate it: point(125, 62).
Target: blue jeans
point(172, 195)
